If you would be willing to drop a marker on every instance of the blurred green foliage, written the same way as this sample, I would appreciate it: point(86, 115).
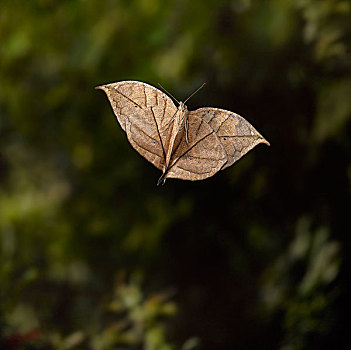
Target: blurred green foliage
point(256, 257)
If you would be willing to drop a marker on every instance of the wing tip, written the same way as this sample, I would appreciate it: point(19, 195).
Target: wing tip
point(265, 142)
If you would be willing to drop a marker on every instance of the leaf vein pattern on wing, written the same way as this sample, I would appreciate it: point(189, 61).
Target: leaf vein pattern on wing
point(214, 159)
point(198, 129)
point(147, 150)
point(241, 136)
point(195, 172)
point(222, 122)
point(164, 110)
point(142, 131)
point(176, 148)
point(189, 149)
point(158, 133)
point(136, 104)
point(145, 96)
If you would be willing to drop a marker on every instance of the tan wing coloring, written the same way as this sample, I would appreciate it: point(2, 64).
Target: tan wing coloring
point(236, 134)
point(142, 111)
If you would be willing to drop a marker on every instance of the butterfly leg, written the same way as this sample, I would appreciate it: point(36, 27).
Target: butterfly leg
point(169, 123)
point(186, 130)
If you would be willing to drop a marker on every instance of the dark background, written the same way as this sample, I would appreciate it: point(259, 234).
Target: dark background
point(95, 256)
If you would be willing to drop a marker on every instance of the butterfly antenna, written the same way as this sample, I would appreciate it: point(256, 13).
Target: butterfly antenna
point(167, 92)
point(194, 92)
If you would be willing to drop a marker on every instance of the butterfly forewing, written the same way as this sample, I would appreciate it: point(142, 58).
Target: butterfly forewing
point(145, 139)
point(142, 111)
point(235, 133)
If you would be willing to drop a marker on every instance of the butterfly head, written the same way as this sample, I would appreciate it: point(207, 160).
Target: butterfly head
point(182, 108)
point(182, 113)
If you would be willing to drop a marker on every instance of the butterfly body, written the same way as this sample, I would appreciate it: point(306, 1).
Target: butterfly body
point(189, 145)
point(176, 128)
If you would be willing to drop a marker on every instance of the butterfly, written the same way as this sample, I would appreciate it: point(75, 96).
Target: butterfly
point(183, 144)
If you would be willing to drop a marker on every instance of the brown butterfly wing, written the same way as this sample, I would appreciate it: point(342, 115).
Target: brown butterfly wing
point(235, 133)
point(199, 158)
point(142, 111)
